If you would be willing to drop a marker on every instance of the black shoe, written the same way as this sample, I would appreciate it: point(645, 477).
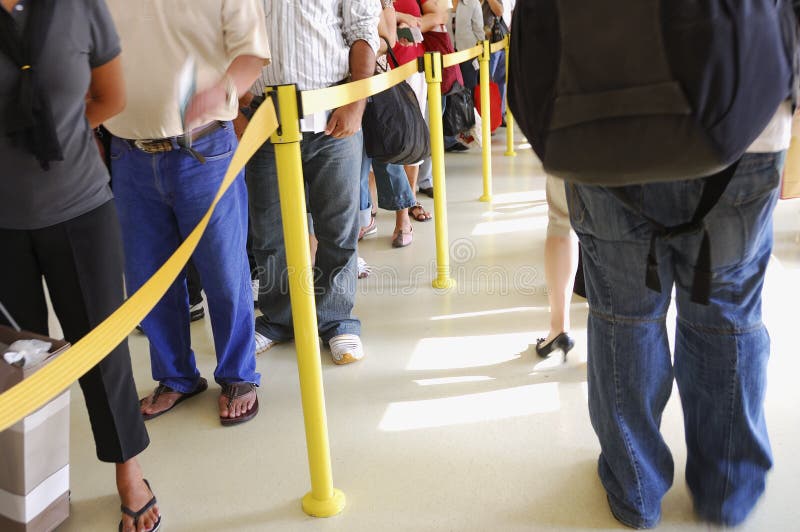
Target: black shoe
point(196, 312)
point(457, 147)
point(563, 341)
point(427, 191)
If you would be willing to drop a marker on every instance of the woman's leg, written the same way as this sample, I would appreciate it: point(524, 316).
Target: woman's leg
point(560, 258)
point(81, 261)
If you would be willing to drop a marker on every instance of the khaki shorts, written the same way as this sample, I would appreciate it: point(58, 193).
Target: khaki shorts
point(557, 212)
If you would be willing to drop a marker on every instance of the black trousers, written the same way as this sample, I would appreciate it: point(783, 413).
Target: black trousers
point(81, 261)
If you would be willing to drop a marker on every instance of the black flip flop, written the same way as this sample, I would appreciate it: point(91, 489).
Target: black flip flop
point(232, 391)
point(136, 515)
point(202, 385)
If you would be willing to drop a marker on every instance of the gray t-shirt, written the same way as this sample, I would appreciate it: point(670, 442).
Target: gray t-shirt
point(81, 37)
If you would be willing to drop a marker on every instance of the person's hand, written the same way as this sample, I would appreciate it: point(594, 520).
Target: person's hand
point(408, 20)
point(239, 125)
point(204, 103)
point(345, 121)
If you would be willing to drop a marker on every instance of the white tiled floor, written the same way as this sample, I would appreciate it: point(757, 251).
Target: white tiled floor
point(451, 423)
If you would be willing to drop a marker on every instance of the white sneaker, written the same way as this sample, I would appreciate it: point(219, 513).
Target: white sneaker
point(263, 343)
point(346, 349)
point(254, 286)
point(363, 268)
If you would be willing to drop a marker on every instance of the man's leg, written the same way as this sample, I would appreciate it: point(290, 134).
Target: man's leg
point(331, 169)
point(266, 229)
point(629, 366)
point(150, 235)
point(220, 258)
point(721, 350)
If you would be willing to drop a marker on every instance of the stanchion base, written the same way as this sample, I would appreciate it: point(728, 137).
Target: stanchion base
point(511, 154)
point(327, 508)
point(486, 198)
point(444, 284)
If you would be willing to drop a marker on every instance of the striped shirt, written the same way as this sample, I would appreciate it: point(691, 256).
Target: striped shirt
point(310, 40)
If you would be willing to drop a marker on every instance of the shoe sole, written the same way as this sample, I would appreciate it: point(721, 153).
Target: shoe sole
point(347, 358)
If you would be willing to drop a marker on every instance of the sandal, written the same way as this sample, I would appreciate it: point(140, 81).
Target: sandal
point(143, 510)
point(202, 385)
point(233, 391)
point(419, 213)
point(401, 239)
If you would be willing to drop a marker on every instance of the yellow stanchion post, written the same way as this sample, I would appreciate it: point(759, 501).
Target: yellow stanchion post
point(486, 122)
point(433, 75)
point(323, 500)
point(509, 119)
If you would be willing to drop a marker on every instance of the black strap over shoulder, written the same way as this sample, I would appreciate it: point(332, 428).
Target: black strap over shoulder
point(27, 117)
point(713, 189)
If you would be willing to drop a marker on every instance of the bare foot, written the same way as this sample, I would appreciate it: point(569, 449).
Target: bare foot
point(158, 402)
point(135, 494)
point(163, 398)
point(238, 400)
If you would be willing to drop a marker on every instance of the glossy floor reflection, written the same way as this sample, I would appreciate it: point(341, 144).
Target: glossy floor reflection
point(451, 422)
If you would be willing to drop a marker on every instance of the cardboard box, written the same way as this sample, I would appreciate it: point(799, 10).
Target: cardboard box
point(34, 452)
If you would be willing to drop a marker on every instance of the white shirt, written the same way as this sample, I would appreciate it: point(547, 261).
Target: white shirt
point(157, 37)
point(778, 133)
point(311, 39)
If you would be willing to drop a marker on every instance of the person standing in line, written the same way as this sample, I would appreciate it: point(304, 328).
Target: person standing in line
point(167, 169)
point(721, 349)
point(58, 220)
point(315, 56)
point(560, 264)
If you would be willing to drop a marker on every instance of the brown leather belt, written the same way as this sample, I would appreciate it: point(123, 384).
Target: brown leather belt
point(174, 143)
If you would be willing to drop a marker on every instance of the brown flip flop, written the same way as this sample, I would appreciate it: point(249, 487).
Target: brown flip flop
point(202, 385)
point(234, 390)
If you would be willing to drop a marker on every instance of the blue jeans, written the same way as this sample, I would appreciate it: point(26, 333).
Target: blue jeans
point(721, 350)
point(365, 201)
point(160, 198)
point(394, 192)
point(331, 169)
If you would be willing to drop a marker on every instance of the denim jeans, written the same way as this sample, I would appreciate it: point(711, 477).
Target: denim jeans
point(160, 198)
point(365, 200)
point(720, 352)
point(331, 169)
point(394, 192)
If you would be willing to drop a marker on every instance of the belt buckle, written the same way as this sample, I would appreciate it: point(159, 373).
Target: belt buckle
point(153, 146)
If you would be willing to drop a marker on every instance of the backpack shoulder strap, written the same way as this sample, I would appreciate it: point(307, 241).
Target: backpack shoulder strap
point(713, 189)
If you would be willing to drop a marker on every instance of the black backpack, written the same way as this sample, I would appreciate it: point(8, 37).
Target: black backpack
point(619, 92)
point(616, 92)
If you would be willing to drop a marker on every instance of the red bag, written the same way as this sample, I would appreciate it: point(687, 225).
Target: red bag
point(439, 41)
point(494, 103)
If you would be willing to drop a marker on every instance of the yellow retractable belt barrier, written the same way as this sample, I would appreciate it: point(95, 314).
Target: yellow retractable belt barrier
point(38, 389)
point(433, 76)
point(323, 500)
point(463, 56)
point(332, 97)
point(486, 121)
point(499, 45)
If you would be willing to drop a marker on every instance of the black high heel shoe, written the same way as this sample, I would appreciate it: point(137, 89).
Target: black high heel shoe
point(563, 341)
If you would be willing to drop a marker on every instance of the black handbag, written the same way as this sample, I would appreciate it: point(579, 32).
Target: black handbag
point(459, 115)
point(395, 131)
point(499, 29)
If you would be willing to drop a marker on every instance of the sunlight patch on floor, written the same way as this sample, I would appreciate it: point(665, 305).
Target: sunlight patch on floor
point(483, 313)
point(453, 380)
point(473, 408)
point(517, 225)
point(458, 352)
